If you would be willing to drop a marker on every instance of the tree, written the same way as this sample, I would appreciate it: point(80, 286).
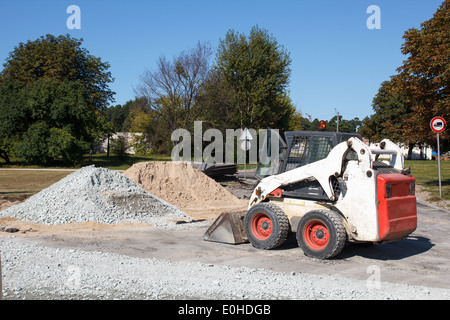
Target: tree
point(152, 134)
point(119, 146)
point(171, 89)
point(60, 59)
point(349, 126)
point(256, 69)
point(119, 116)
point(309, 125)
point(391, 111)
point(424, 76)
point(58, 123)
point(215, 101)
point(296, 121)
point(116, 116)
point(405, 105)
point(51, 94)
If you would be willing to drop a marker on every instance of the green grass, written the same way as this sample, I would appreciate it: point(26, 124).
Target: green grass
point(247, 167)
point(16, 184)
point(427, 176)
point(114, 163)
point(19, 183)
point(23, 182)
point(99, 160)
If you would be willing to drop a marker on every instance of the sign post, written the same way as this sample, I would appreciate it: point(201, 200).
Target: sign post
point(437, 124)
point(245, 145)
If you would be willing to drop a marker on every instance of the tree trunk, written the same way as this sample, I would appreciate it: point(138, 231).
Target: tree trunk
point(410, 150)
point(5, 156)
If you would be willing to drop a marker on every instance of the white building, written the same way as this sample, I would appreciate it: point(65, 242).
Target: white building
point(129, 136)
point(418, 152)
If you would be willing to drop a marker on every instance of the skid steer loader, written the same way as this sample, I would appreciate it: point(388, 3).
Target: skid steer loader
point(327, 188)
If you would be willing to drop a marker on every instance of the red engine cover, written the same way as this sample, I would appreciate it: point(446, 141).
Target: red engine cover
point(397, 209)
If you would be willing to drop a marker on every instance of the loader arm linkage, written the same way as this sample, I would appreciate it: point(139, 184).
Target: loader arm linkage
point(320, 170)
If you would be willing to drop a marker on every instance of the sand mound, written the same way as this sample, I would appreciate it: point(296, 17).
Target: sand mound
point(184, 186)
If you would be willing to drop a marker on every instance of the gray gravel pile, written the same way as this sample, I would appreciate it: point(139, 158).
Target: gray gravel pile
point(31, 271)
point(98, 195)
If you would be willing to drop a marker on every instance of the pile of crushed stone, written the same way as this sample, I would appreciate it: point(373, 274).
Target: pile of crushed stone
point(185, 186)
point(99, 195)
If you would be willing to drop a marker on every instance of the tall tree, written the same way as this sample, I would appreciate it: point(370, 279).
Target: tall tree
point(391, 111)
point(52, 91)
point(171, 89)
point(257, 69)
point(61, 123)
point(60, 59)
point(215, 101)
point(425, 75)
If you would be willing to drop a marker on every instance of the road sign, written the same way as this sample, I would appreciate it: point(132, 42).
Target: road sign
point(246, 145)
point(246, 135)
point(437, 124)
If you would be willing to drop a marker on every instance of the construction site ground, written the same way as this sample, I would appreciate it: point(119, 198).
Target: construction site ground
point(423, 259)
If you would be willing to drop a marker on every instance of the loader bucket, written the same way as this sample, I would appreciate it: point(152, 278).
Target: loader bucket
point(227, 228)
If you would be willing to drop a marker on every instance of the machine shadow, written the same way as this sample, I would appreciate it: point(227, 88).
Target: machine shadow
point(401, 249)
point(398, 250)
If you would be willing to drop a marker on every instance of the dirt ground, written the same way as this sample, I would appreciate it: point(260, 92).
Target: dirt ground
point(421, 259)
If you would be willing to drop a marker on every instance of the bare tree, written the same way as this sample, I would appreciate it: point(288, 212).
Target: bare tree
point(172, 87)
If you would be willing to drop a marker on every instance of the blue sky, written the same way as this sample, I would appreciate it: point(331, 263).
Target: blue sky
point(338, 63)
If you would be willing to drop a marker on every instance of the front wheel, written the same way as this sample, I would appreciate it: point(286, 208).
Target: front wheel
point(266, 226)
point(321, 234)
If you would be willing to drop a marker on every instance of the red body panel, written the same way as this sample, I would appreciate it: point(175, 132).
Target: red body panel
point(397, 214)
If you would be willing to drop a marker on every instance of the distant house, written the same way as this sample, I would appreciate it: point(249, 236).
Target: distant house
point(418, 152)
point(131, 139)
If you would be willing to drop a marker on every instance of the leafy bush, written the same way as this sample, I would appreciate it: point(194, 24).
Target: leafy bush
point(119, 146)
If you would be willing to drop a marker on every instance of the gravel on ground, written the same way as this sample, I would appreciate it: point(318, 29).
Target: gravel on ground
point(31, 271)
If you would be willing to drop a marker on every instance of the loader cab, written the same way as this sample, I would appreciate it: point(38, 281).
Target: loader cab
point(300, 148)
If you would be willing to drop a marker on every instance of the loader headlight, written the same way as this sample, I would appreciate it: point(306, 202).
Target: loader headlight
point(387, 191)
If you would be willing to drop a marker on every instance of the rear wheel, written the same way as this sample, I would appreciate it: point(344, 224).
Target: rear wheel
point(321, 234)
point(266, 226)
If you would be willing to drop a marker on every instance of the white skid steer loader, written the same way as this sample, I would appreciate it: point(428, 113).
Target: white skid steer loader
point(328, 188)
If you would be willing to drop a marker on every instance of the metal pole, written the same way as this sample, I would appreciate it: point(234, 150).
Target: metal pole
point(337, 127)
point(245, 161)
point(439, 166)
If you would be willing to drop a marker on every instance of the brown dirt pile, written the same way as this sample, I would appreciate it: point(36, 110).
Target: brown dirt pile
point(6, 202)
point(186, 187)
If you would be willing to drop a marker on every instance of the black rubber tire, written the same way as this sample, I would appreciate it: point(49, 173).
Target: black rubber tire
point(321, 234)
point(277, 228)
